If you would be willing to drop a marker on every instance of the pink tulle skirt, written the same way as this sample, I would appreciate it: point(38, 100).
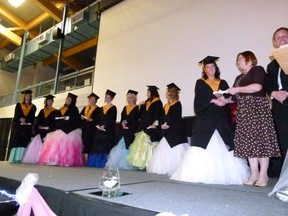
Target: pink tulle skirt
point(62, 149)
point(33, 150)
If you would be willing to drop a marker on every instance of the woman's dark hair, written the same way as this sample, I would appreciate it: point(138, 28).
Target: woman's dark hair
point(45, 102)
point(73, 102)
point(248, 56)
point(30, 100)
point(153, 94)
point(217, 72)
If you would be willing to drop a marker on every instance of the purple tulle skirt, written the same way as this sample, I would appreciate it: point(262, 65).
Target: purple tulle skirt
point(33, 150)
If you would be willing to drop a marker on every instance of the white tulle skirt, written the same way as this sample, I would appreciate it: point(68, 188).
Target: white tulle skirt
point(118, 156)
point(62, 149)
point(280, 190)
point(165, 159)
point(213, 165)
point(33, 150)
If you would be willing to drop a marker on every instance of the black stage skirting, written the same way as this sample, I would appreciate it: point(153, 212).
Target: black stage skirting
point(71, 191)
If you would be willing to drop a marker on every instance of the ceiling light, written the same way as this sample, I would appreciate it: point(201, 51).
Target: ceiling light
point(16, 3)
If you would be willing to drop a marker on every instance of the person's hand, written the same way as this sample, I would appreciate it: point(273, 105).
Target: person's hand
point(233, 90)
point(280, 95)
point(224, 100)
point(165, 126)
point(22, 120)
point(89, 119)
point(123, 123)
point(219, 95)
point(219, 102)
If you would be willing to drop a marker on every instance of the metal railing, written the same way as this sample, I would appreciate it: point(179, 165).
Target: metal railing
point(75, 80)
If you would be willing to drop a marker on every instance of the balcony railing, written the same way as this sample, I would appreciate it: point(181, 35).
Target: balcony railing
point(75, 80)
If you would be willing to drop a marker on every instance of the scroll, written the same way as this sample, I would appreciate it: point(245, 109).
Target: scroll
point(281, 56)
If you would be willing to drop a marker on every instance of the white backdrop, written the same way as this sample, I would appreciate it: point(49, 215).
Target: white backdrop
point(156, 42)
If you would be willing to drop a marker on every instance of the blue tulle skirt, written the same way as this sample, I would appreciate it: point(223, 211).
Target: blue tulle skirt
point(118, 156)
point(97, 160)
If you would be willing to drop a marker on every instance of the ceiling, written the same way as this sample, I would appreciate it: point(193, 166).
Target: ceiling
point(39, 17)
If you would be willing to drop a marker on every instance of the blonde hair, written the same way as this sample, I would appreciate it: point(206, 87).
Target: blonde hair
point(173, 94)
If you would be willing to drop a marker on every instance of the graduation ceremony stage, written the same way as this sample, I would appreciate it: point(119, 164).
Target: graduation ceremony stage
point(73, 191)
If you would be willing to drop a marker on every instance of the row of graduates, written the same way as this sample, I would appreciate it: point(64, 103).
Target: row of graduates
point(57, 133)
point(152, 136)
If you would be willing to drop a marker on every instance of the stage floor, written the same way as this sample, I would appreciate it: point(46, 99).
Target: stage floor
point(148, 193)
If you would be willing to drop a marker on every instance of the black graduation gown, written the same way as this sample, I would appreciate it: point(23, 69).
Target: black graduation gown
point(49, 121)
point(148, 117)
point(88, 128)
point(105, 140)
point(22, 134)
point(175, 134)
point(74, 120)
point(132, 120)
point(210, 117)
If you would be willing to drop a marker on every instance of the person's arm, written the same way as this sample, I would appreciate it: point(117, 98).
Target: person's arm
point(254, 87)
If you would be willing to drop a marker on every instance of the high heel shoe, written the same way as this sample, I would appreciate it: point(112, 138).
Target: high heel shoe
point(260, 183)
point(250, 182)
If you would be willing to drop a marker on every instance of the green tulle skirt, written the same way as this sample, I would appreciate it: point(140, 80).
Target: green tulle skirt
point(16, 154)
point(141, 150)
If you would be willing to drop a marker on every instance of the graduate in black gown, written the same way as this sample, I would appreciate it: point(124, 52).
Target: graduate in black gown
point(171, 148)
point(64, 146)
point(90, 115)
point(210, 158)
point(23, 120)
point(104, 139)
point(151, 114)
point(45, 123)
point(128, 126)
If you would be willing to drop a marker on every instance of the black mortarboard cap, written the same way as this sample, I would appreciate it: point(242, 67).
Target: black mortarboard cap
point(49, 97)
point(73, 96)
point(173, 85)
point(111, 93)
point(93, 95)
point(152, 88)
point(208, 60)
point(132, 92)
point(27, 91)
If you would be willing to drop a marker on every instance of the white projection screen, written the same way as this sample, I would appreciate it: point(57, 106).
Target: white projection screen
point(156, 42)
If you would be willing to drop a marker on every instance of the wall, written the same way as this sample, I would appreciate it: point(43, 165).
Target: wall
point(29, 76)
point(156, 42)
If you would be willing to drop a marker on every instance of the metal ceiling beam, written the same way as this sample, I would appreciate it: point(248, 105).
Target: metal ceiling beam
point(49, 8)
point(72, 51)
